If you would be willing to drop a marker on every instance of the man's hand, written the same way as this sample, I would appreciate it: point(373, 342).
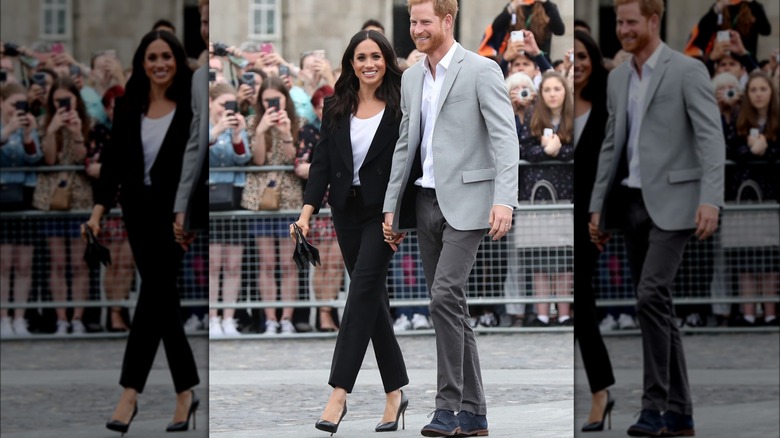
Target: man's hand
point(706, 221)
point(500, 221)
point(598, 237)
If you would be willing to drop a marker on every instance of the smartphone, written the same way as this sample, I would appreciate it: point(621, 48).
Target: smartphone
point(571, 57)
point(29, 61)
point(40, 79)
point(777, 58)
point(754, 132)
point(267, 48)
point(273, 102)
point(284, 70)
point(723, 35)
point(231, 105)
point(75, 70)
point(318, 53)
point(548, 132)
point(57, 48)
point(10, 49)
point(64, 102)
point(22, 106)
point(249, 79)
point(212, 75)
point(517, 35)
point(111, 53)
point(3, 76)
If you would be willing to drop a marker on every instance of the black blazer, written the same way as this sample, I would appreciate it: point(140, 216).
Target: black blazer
point(586, 159)
point(123, 161)
point(332, 164)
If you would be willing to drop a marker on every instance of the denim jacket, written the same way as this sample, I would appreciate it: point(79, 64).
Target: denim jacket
point(222, 154)
point(12, 154)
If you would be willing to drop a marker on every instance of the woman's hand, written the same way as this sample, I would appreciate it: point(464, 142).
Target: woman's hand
point(553, 145)
point(303, 224)
point(757, 144)
point(94, 222)
point(227, 121)
point(240, 125)
point(58, 121)
point(283, 125)
point(73, 123)
point(267, 121)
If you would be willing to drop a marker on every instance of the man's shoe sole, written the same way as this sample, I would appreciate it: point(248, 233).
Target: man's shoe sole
point(436, 432)
point(684, 432)
point(480, 432)
point(632, 431)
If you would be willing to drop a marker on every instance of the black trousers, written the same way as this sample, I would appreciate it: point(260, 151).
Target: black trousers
point(367, 311)
point(595, 357)
point(654, 256)
point(158, 312)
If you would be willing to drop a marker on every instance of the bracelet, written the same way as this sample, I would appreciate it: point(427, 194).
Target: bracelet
point(287, 141)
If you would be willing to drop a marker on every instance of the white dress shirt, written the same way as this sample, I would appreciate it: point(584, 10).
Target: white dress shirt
point(430, 102)
point(637, 94)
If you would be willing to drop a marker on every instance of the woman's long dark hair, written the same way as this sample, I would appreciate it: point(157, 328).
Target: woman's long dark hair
point(138, 86)
point(596, 88)
point(345, 99)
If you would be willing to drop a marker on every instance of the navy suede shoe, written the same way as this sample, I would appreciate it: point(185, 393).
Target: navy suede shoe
point(444, 423)
point(650, 423)
point(678, 424)
point(472, 424)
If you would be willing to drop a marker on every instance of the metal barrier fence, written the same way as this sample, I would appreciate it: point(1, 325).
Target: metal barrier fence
point(254, 250)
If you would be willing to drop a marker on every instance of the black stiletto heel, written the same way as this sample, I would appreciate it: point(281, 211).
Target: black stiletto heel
point(391, 426)
point(331, 427)
point(118, 426)
point(183, 426)
point(599, 425)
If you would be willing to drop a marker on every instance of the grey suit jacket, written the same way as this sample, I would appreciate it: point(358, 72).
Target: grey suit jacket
point(475, 147)
point(196, 153)
point(681, 145)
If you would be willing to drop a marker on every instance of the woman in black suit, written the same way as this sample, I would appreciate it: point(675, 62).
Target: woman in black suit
point(590, 119)
point(145, 159)
point(359, 132)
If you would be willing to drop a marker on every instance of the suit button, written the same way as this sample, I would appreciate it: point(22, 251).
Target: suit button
point(338, 174)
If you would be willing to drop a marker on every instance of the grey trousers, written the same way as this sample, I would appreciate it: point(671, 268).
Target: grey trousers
point(654, 256)
point(447, 257)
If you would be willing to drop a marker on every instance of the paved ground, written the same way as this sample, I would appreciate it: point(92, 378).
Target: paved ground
point(735, 384)
point(277, 388)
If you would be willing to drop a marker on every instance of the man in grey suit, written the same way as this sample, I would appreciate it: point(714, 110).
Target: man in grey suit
point(454, 176)
point(660, 178)
point(191, 207)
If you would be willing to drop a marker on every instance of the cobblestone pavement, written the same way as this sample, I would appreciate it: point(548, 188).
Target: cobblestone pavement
point(735, 384)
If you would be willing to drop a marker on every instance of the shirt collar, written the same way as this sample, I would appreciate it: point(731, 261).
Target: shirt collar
point(445, 61)
point(652, 60)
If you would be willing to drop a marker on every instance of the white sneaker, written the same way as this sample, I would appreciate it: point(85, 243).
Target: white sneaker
point(626, 322)
point(608, 323)
point(420, 322)
point(229, 327)
point(77, 327)
point(6, 329)
point(215, 327)
point(20, 327)
point(488, 319)
point(271, 327)
point(62, 327)
point(192, 324)
point(287, 327)
point(402, 324)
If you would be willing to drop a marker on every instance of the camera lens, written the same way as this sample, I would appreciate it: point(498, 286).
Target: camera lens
point(730, 94)
point(524, 93)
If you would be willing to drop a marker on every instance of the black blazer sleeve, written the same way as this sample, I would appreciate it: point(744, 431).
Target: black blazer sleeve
point(319, 171)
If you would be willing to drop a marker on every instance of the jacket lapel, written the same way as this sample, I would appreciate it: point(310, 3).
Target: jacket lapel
point(655, 80)
point(415, 78)
point(449, 78)
point(343, 142)
point(383, 133)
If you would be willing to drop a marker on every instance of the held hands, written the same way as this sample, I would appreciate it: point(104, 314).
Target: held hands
point(183, 238)
point(706, 221)
point(598, 237)
point(391, 238)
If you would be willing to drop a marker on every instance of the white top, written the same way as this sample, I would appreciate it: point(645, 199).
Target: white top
point(152, 135)
point(637, 94)
point(430, 102)
point(579, 126)
point(362, 132)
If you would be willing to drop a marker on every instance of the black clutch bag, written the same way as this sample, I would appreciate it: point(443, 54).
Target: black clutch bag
point(95, 254)
point(223, 197)
point(304, 251)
